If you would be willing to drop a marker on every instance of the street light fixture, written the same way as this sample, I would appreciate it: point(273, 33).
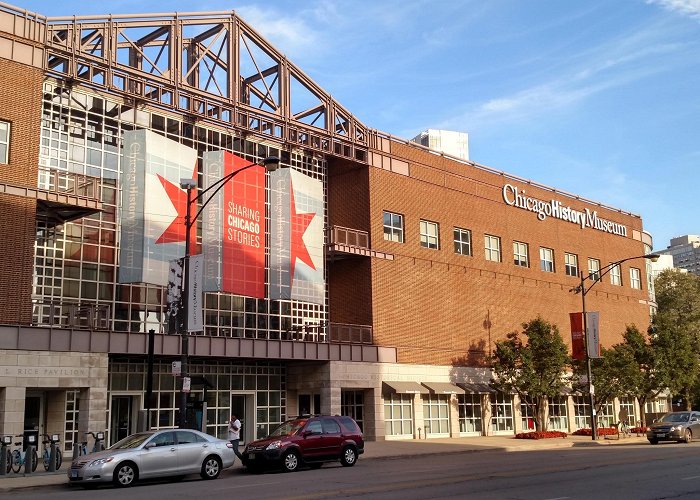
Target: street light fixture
point(583, 289)
point(271, 163)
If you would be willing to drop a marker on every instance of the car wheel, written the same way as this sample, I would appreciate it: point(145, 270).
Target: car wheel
point(125, 474)
point(349, 456)
point(654, 441)
point(688, 436)
point(290, 461)
point(211, 467)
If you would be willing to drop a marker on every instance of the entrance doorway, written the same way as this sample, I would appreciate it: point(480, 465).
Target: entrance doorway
point(32, 418)
point(121, 422)
point(243, 406)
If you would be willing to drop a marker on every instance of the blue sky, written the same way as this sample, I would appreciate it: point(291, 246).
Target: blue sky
point(598, 98)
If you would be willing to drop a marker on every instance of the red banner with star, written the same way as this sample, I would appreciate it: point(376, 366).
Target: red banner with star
point(233, 234)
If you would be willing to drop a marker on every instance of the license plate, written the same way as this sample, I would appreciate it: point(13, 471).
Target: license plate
point(660, 435)
point(251, 456)
point(74, 473)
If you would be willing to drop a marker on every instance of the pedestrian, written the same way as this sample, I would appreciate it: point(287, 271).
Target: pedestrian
point(234, 434)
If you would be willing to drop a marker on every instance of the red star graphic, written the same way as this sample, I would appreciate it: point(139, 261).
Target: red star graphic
point(175, 233)
point(299, 223)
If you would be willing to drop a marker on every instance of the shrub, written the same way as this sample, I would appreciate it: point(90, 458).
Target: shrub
point(541, 435)
point(601, 431)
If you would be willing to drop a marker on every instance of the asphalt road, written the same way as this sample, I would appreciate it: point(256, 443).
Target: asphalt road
point(619, 472)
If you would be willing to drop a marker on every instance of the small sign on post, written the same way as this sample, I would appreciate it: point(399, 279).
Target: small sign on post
point(177, 368)
point(186, 384)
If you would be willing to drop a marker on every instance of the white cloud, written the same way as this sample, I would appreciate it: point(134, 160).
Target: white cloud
point(690, 8)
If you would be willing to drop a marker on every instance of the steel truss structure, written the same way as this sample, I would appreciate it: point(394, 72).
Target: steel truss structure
point(210, 66)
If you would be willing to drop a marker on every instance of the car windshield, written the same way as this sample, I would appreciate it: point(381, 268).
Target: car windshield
point(133, 441)
point(676, 417)
point(288, 428)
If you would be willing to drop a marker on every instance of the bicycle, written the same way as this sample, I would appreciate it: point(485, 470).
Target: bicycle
point(98, 438)
point(47, 453)
point(19, 456)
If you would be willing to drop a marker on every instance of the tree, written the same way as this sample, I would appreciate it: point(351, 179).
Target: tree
point(606, 374)
point(675, 330)
point(535, 371)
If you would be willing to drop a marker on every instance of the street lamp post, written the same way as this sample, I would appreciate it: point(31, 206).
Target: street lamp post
point(596, 277)
point(271, 164)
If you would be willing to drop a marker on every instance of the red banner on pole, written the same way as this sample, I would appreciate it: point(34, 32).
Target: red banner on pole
point(577, 345)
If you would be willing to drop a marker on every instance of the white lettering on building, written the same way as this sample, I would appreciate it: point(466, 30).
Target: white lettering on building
point(554, 208)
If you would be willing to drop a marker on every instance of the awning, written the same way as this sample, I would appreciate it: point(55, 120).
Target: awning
point(477, 388)
point(443, 388)
point(407, 387)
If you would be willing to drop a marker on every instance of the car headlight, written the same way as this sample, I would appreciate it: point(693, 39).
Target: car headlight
point(676, 428)
point(275, 445)
point(100, 461)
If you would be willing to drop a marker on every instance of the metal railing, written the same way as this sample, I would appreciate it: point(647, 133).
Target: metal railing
point(68, 183)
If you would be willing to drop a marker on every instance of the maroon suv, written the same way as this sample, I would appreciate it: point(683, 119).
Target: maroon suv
point(310, 440)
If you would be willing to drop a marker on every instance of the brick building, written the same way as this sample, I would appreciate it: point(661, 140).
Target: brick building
point(427, 259)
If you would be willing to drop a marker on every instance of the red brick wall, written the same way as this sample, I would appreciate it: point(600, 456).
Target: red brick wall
point(349, 279)
point(432, 304)
point(20, 104)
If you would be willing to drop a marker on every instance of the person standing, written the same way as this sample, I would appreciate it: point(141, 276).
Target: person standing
point(234, 434)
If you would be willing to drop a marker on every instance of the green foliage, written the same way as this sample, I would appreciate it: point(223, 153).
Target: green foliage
point(535, 370)
point(675, 330)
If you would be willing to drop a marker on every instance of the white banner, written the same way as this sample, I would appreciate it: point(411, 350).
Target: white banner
point(593, 334)
point(195, 281)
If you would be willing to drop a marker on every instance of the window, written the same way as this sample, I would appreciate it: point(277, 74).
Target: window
point(393, 227)
point(594, 269)
point(429, 234)
point(635, 278)
point(557, 414)
point(436, 414)
point(492, 245)
point(627, 404)
point(547, 259)
point(463, 241)
point(501, 413)
point(571, 264)
point(4, 142)
point(582, 412)
point(520, 254)
point(469, 406)
point(616, 275)
point(398, 414)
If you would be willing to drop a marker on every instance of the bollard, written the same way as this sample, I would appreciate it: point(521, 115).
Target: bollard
point(4, 455)
point(76, 449)
point(29, 459)
point(52, 457)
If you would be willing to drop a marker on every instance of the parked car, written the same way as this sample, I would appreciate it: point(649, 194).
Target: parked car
point(308, 440)
point(679, 426)
point(171, 452)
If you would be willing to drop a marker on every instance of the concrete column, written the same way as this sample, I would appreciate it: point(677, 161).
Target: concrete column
point(454, 416)
point(12, 401)
point(330, 400)
point(570, 414)
point(517, 415)
point(373, 415)
point(418, 423)
point(486, 412)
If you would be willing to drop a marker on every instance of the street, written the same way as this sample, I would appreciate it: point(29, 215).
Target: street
point(625, 471)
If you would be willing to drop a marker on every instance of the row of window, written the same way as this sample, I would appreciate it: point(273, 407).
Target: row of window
point(430, 238)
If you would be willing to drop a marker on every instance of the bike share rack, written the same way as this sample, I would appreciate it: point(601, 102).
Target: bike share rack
point(54, 440)
point(4, 452)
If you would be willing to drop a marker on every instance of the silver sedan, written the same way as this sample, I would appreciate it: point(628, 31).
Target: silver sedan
point(170, 452)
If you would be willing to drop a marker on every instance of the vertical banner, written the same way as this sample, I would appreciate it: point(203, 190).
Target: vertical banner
point(296, 237)
point(233, 238)
point(195, 308)
point(593, 334)
point(577, 346)
point(153, 205)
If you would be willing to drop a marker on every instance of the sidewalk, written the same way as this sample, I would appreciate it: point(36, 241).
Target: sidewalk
point(375, 450)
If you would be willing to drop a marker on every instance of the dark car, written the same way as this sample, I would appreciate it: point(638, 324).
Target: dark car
point(678, 426)
point(307, 440)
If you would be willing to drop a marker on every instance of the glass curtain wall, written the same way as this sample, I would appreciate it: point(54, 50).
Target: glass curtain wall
point(76, 264)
